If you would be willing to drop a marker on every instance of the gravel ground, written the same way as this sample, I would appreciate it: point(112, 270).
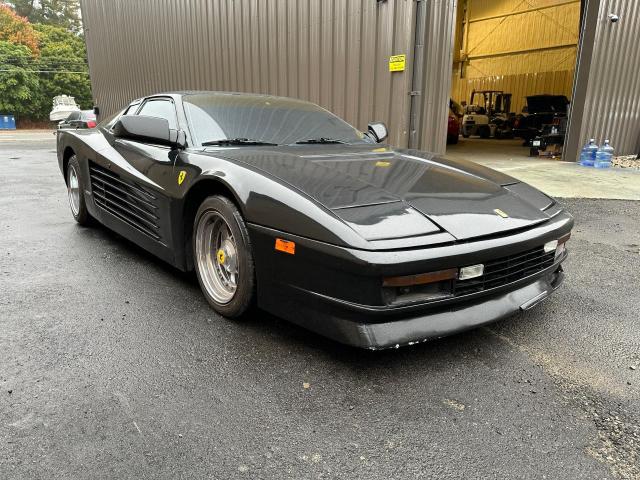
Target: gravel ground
point(113, 366)
point(628, 161)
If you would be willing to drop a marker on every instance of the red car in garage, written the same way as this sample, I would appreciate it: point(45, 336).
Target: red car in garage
point(453, 125)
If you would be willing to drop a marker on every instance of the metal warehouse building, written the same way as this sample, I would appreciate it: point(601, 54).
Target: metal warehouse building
point(399, 61)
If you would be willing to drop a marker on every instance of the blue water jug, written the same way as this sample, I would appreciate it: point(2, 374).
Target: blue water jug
point(604, 156)
point(588, 153)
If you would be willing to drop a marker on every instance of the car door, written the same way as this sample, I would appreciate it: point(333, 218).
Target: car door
point(137, 173)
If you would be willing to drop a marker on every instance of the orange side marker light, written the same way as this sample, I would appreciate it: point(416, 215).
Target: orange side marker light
point(285, 246)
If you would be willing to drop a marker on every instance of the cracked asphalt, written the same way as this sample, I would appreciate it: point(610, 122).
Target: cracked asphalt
point(113, 366)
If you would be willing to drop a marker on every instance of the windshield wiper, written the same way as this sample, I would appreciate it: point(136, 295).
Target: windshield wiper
point(318, 140)
point(237, 141)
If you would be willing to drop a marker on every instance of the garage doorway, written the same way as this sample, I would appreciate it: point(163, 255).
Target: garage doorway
point(512, 79)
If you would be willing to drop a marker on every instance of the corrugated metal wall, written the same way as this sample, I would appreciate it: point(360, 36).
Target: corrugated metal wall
point(612, 101)
point(332, 52)
point(522, 47)
point(435, 85)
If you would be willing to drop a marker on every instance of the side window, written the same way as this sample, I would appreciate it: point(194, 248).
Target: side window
point(160, 108)
point(73, 116)
point(131, 109)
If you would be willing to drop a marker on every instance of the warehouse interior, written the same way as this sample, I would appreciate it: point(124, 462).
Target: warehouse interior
point(506, 51)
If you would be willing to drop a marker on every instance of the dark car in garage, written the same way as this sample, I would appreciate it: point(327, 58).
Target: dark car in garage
point(541, 111)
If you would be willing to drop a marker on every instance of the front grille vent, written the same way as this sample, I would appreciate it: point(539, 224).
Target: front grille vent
point(128, 202)
point(506, 270)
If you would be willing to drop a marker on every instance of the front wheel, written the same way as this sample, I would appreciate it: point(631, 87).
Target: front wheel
point(75, 193)
point(223, 258)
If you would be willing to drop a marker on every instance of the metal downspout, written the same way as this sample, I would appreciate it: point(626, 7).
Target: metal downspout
point(417, 81)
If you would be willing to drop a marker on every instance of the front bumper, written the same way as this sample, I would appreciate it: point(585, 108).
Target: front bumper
point(437, 324)
point(334, 291)
point(378, 329)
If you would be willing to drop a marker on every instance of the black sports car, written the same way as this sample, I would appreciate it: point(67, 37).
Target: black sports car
point(278, 203)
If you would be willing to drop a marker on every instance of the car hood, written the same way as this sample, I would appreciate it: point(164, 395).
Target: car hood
point(387, 193)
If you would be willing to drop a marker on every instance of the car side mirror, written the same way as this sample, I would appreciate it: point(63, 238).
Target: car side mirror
point(177, 138)
point(152, 129)
point(96, 110)
point(378, 131)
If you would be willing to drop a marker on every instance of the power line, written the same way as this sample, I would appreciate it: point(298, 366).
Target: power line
point(41, 71)
point(41, 59)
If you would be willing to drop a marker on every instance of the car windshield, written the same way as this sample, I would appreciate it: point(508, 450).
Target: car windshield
point(269, 120)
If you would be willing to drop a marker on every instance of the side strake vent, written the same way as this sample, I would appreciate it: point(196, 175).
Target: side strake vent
point(128, 202)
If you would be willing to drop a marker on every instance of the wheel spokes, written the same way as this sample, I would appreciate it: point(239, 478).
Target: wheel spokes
point(217, 257)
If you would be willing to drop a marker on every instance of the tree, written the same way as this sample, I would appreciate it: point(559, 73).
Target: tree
point(61, 13)
point(17, 30)
point(18, 83)
point(63, 69)
point(41, 61)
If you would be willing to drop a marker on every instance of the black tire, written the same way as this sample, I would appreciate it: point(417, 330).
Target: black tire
point(465, 135)
point(452, 139)
point(244, 296)
point(77, 203)
point(484, 132)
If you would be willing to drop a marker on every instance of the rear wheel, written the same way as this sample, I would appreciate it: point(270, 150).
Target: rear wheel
point(484, 131)
point(75, 193)
point(223, 258)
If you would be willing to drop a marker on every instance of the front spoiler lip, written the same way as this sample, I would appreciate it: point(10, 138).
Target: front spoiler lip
point(430, 326)
point(409, 332)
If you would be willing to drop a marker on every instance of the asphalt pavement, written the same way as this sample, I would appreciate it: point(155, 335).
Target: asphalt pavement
point(112, 365)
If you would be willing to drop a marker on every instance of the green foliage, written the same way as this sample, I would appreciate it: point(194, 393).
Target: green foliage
point(18, 86)
point(61, 13)
point(43, 60)
point(61, 51)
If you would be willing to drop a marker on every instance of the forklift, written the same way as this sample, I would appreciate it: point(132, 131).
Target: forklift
point(487, 114)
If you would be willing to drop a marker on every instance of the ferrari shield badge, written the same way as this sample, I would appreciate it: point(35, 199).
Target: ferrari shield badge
point(181, 176)
point(501, 213)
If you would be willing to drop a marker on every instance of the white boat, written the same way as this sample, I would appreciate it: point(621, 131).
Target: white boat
point(63, 106)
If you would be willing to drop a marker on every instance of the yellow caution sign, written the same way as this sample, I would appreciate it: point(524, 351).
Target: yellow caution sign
point(397, 63)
